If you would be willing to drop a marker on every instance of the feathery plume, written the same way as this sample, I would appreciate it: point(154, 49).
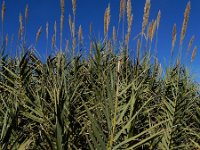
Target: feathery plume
point(158, 19)
point(129, 10)
point(194, 54)
point(62, 7)
point(106, 20)
point(80, 35)
point(151, 30)
point(154, 24)
point(74, 7)
point(114, 35)
point(91, 47)
point(185, 22)
point(3, 9)
point(109, 45)
point(122, 9)
point(146, 15)
point(20, 26)
point(73, 46)
point(190, 44)
point(6, 39)
point(53, 41)
point(26, 13)
point(73, 29)
point(177, 62)
point(38, 34)
point(174, 34)
point(67, 46)
point(55, 30)
point(47, 30)
point(129, 18)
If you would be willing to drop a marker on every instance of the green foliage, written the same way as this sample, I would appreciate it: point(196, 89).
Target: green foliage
point(88, 104)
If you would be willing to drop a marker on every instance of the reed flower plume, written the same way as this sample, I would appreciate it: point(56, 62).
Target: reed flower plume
point(90, 29)
point(129, 10)
point(47, 31)
point(109, 45)
point(190, 44)
point(174, 34)
point(20, 26)
point(74, 7)
point(185, 22)
point(26, 13)
point(122, 9)
point(53, 41)
point(129, 18)
point(6, 39)
point(62, 7)
point(38, 34)
point(3, 9)
point(80, 35)
point(151, 30)
point(91, 47)
point(67, 46)
point(114, 35)
point(158, 19)
point(55, 30)
point(194, 53)
point(73, 29)
point(106, 20)
point(146, 15)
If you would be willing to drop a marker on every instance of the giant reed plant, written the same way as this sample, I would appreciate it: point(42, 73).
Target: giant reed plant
point(102, 101)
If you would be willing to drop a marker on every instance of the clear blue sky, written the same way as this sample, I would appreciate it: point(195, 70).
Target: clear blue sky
point(41, 11)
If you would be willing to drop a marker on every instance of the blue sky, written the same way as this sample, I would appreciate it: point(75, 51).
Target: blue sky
point(41, 11)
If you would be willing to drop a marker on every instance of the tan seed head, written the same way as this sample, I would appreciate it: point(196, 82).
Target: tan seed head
point(47, 30)
point(190, 43)
point(53, 41)
point(80, 35)
point(20, 26)
point(26, 13)
point(114, 34)
point(146, 15)
point(158, 19)
point(3, 9)
point(122, 9)
point(174, 34)
point(67, 46)
point(194, 54)
point(7, 39)
point(106, 20)
point(38, 34)
point(185, 22)
point(129, 18)
point(74, 7)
